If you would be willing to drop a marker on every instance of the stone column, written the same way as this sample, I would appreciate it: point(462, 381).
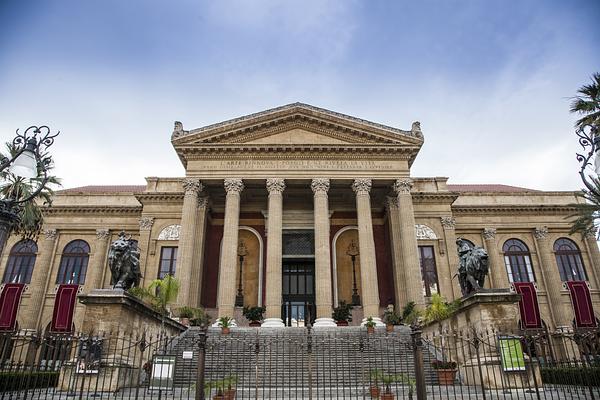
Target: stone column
point(452, 290)
point(554, 285)
point(398, 261)
point(594, 252)
point(275, 186)
point(498, 275)
point(39, 277)
point(228, 264)
point(366, 245)
point(98, 261)
point(320, 187)
point(187, 238)
point(144, 246)
point(198, 256)
point(408, 236)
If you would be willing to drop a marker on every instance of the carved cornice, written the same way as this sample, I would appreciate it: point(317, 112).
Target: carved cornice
point(154, 197)
point(192, 186)
point(489, 233)
point(146, 223)
point(403, 185)
point(233, 185)
point(102, 234)
point(362, 185)
point(540, 233)
point(105, 210)
point(434, 197)
point(320, 185)
point(50, 234)
point(515, 209)
point(448, 222)
point(275, 185)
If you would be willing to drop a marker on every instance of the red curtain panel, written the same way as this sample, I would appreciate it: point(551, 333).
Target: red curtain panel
point(64, 307)
point(9, 305)
point(582, 304)
point(528, 305)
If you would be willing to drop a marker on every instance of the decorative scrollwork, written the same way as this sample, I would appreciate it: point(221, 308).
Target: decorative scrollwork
point(588, 137)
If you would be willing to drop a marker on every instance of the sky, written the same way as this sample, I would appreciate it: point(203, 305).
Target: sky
point(490, 81)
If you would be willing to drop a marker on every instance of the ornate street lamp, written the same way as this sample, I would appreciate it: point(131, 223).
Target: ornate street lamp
point(242, 252)
point(352, 251)
point(29, 161)
point(589, 137)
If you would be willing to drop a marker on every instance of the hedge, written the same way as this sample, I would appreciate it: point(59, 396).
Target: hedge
point(20, 380)
point(580, 376)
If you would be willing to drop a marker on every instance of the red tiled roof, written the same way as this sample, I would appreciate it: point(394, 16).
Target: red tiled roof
point(488, 188)
point(106, 189)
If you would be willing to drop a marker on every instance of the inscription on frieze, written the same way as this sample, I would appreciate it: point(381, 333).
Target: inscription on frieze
point(299, 164)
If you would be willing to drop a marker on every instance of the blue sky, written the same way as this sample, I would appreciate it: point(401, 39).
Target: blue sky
point(490, 81)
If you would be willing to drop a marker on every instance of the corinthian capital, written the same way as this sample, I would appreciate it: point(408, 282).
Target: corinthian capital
point(102, 234)
point(541, 232)
point(362, 185)
point(448, 222)
point(50, 234)
point(192, 186)
point(202, 201)
point(402, 185)
point(234, 185)
point(320, 185)
point(275, 185)
point(392, 202)
point(489, 233)
point(146, 223)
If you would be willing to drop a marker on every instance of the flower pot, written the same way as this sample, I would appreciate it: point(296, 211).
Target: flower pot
point(225, 331)
point(446, 376)
point(387, 396)
point(219, 396)
point(370, 329)
point(389, 328)
point(184, 321)
point(254, 324)
point(341, 323)
point(374, 391)
point(229, 394)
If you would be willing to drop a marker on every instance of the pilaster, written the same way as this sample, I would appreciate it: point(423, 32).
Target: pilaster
point(452, 287)
point(498, 275)
point(98, 261)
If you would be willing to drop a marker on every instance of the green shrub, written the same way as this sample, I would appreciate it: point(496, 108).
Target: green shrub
point(19, 380)
point(580, 376)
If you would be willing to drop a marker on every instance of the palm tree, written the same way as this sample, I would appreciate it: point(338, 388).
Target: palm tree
point(15, 189)
point(166, 290)
point(587, 103)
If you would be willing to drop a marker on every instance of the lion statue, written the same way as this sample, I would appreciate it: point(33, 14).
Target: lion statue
point(472, 268)
point(124, 262)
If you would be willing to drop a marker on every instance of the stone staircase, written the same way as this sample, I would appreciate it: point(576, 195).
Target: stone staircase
point(274, 359)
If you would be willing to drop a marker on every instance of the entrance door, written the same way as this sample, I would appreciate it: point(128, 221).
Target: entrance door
point(298, 292)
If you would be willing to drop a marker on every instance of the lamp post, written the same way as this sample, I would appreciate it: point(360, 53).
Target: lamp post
point(27, 161)
point(242, 252)
point(352, 251)
point(589, 137)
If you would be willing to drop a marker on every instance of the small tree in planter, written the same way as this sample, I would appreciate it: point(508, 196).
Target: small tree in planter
point(370, 324)
point(374, 378)
point(391, 318)
point(446, 371)
point(200, 318)
point(387, 380)
point(185, 315)
point(254, 315)
point(342, 314)
point(225, 324)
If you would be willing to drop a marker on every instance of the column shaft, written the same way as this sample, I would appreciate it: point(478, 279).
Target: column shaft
point(412, 265)
point(187, 239)
point(498, 276)
point(39, 277)
point(366, 245)
point(594, 252)
point(98, 261)
point(273, 297)
point(227, 273)
point(396, 245)
point(195, 284)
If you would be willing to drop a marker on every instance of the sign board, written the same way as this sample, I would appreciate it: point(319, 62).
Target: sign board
point(511, 353)
point(188, 355)
point(163, 368)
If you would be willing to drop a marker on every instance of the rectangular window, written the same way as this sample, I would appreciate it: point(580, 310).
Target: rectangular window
point(168, 261)
point(428, 270)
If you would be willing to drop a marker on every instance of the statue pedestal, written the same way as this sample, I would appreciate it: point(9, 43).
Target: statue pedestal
point(113, 326)
point(488, 309)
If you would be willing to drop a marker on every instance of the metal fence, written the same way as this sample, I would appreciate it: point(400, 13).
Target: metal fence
point(302, 363)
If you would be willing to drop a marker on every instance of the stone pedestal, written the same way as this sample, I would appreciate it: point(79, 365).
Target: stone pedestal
point(488, 309)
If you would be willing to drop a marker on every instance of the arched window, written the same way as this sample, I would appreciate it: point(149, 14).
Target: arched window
point(20, 262)
point(568, 258)
point(517, 261)
point(74, 262)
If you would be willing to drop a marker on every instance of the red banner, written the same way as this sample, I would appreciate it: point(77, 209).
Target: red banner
point(528, 305)
point(9, 305)
point(582, 304)
point(64, 307)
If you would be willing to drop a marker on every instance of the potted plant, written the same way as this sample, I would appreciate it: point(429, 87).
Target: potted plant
point(374, 378)
point(342, 314)
point(370, 324)
point(410, 315)
point(391, 318)
point(185, 315)
point(254, 315)
point(410, 382)
point(446, 371)
point(225, 324)
point(228, 387)
point(200, 318)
